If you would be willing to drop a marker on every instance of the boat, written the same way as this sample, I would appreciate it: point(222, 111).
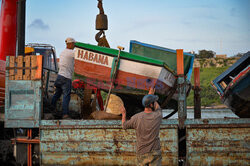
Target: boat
point(233, 86)
point(135, 75)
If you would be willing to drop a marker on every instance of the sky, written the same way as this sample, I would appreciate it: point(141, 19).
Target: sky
point(222, 26)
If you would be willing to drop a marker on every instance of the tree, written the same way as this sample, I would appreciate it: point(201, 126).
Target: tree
point(205, 54)
point(239, 55)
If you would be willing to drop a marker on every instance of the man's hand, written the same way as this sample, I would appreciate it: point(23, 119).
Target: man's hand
point(151, 91)
point(156, 105)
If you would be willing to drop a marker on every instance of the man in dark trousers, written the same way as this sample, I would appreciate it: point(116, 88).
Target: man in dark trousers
point(63, 81)
point(147, 126)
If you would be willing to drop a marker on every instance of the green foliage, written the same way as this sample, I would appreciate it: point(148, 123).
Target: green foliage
point(220, 62)
point(205, 54)
point(202, 61)
point(209, 95)
point(225, 63)
point(230, 58)
point(190, 99)
point(239, 55)
point(212, 64)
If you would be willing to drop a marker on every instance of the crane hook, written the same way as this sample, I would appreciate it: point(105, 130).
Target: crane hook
point(101, 24)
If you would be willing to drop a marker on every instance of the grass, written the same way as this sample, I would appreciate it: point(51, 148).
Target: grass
point(209, 96)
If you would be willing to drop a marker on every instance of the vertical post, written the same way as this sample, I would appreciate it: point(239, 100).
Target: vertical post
point(197, 98)
point(21, 26)
point(29, 153)
point(180, 62)
point(181, 87)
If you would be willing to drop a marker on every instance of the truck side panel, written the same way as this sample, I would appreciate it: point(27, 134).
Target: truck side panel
point(221, 142)
point(23, 100)
point(90, 143)
point(23, 104)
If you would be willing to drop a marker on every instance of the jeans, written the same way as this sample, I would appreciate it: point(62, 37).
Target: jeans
point(63, 86)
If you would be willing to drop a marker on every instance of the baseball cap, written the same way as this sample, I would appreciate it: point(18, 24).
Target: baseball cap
point(148, 99)
point(70, 40)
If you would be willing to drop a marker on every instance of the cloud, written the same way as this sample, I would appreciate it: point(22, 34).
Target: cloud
point(39, 24)
point(233, 12)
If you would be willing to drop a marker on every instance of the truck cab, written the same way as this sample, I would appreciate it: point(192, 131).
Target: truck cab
point(28, 84)
point(49, 55)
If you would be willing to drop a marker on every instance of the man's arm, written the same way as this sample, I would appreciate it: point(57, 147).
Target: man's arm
point(127, 124)
point(152, 92)
point(157, 106)
point(123, 110)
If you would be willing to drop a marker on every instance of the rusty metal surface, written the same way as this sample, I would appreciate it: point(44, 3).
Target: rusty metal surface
point(182, 108)
point(22, 103)
point(55, 124)
point(98, 144)
point(215, 144)
point(220, 123)
point(2, 83)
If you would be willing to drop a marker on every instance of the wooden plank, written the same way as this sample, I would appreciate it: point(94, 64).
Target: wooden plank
point(33, 65)
point(19, 74)
point(93, 104)
point(86, 111)
point(27, 71)
point(180, 61)
point(197, 76)
point(39, 64)
point(12, 71)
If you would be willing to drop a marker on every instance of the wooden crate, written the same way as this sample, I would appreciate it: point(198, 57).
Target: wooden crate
point(25, 67)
